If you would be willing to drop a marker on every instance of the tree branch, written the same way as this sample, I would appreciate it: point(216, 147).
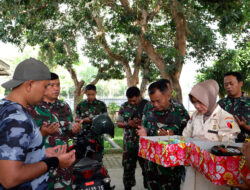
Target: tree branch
point(181, 32)
point(116, 57)
point(138, 59)
point(156, 10)
point(72, 72)
point(126, 6)
point(154, 56)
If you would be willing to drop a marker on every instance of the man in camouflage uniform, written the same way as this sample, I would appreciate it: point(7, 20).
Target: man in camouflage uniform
point(171, 100)
point(54, 118)
point(88, 109)
point(130, 115)
point(162, 117)
point(236, 103)
point(24, 164)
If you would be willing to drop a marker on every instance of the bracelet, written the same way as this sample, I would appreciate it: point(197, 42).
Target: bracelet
point(52, 162)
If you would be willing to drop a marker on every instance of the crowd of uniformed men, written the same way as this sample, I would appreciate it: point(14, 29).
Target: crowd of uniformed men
point(32, 151)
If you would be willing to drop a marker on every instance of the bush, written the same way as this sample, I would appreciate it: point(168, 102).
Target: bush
point(113, 108)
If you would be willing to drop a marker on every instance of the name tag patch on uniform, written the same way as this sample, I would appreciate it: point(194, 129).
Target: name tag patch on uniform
point(229, 122)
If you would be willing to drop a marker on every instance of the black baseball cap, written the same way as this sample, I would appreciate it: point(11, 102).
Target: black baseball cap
point(29, 69)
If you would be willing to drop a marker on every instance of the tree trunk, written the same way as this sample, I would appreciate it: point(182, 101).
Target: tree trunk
point(180, 45)
point(143, 88)
point(79, 90)
point(145, 79)
point(132, 78)
point(177, 94)
point(131, 81)
point(78, 95)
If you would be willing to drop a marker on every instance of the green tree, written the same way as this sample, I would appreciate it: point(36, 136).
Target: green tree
point(229, 60)
point(121, 35)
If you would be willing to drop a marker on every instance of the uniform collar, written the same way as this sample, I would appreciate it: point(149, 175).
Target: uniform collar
point(169, 109)
point(243, 97)
point(49, 103)
point(93, 102)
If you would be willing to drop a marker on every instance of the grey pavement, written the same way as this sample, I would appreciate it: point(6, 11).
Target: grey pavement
point(113, 162)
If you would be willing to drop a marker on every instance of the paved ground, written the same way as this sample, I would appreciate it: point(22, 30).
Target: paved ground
point(113, 162)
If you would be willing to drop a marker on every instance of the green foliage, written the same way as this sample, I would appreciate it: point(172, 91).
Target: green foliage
point(118, 138)
point(202, 42)
point(6, 92)
point(63, 93)
point(229, 60)
point(232, 16)
point(113, 108)
point(57, 26)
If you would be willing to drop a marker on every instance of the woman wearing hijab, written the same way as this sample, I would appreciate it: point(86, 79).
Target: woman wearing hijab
point(209, 116)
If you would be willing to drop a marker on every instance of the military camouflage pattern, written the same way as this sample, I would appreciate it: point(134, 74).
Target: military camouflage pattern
point(60, 112)
point(130, 146)
point(91, 109)
point(240, 107)
point(174, 118)
point(20, 140)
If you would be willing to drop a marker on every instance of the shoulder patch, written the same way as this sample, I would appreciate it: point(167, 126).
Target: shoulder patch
point(229, 122)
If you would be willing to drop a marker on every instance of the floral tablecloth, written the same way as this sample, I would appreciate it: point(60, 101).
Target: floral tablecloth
point(173, 151)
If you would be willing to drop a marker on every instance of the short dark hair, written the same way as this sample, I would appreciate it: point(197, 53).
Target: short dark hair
point(158, 85)
point(164, 81)
point(53, 76)
point(235, 74)
point(90, 87)
point(133, 92)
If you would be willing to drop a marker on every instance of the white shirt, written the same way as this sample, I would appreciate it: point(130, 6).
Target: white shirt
point(220, 121)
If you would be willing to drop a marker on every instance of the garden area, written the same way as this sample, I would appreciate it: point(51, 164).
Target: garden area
point(118, 138)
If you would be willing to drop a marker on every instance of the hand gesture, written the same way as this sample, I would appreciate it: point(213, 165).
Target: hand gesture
point(163, 132)
point(49, 129)
point(76, 128)
point(56, 151)
point(132, 123)
point(137, 122)
point(87, 120)
point(66, 159)
point(242, 122)
point(141, 131)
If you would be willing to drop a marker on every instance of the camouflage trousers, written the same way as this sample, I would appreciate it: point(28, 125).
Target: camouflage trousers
point(129, 160)
point(161, 178)
point(60, 179)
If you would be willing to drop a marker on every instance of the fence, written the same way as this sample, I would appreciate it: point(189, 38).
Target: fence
point(107, 101)
point(120, 101)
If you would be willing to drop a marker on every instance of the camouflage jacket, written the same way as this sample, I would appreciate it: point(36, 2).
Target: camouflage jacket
point(174, 118)
point(21, 140)
point(125, 113)
point(90, 109)
point(237, 106)
point(58, 111)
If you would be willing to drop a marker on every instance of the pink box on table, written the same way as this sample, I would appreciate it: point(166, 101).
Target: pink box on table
point(165, 151)
point(220, 170)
